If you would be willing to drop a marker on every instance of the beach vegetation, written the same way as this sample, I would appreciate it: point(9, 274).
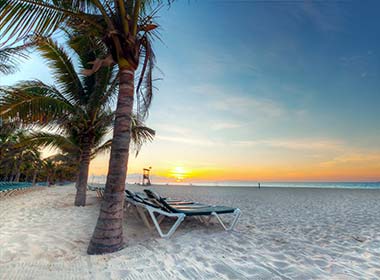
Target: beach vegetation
point(126, 28)
point(21, 161)
point(75, 113)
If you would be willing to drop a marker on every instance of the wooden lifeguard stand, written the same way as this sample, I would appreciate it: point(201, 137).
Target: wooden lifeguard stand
point(146, 179)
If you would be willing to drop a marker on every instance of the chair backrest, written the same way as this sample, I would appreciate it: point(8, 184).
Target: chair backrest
point(152, 194)
point(130, 193)
point(157, 199)
point(142, 200)
point(165, 205)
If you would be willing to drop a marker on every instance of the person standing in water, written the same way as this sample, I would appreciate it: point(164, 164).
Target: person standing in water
point(259, 185)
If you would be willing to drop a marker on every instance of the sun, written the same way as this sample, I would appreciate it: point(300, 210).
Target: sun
point(179, 173)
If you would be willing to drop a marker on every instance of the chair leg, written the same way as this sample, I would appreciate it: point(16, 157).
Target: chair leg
point(160, 219)
point(143, 217)
point(205, 220)
point(180, 218)
point(237, 214)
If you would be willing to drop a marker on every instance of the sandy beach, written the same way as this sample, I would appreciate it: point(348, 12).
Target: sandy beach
point(282, 234)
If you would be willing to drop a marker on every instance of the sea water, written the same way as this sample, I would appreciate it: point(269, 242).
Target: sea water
point(323, 185)
point(254, 184)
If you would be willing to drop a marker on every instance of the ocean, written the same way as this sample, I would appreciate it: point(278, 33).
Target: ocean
point(251, 184)
point(321, 185)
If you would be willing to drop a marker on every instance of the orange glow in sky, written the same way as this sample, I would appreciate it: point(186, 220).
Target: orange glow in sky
point(269, 166)
point(179, 173)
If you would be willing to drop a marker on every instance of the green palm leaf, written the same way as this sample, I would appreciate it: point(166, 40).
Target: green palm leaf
point(33, 102)
point(52, 141)
point(21, 18)
point(59, 62)
point(10, 58)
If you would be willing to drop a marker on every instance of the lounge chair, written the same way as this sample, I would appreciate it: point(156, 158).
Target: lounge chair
point(154, 205)
point(153, 195)
point(99, 190)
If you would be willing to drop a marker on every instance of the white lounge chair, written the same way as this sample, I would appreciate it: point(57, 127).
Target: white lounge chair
point(158, 208)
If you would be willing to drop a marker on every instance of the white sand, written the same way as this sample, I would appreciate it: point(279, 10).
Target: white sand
point(282, 234)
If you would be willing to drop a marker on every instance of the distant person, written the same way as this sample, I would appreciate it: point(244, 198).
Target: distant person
point(259, 185)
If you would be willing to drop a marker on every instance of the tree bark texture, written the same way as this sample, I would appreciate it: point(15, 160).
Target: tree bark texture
point(108, 234)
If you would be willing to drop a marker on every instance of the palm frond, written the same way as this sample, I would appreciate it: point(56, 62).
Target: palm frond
point(97, 84)
point(144, 89)
point(63, 69)
point(33, 102)
point(102, 126)
point(112, 90)
point(140, 134)
point(50, 140)
point(147, 6)
point(105, 147)
point(10, 58)
point(21, 18)
point(90, 50)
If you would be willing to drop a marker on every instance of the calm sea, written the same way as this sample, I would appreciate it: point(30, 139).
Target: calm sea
point(324, 185)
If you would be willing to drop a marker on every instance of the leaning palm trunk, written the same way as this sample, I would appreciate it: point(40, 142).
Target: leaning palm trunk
point(108, 234)
point(81, 184)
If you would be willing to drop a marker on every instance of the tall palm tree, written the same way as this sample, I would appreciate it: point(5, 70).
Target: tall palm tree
point(78, 105)
point(126, 28)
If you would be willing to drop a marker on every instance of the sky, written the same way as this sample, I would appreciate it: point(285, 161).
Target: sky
point(260, 91)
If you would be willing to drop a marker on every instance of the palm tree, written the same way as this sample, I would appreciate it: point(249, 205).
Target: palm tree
point(126, 28)
point(82, 103)
point(17, 160)
point(9, 138)
point(76, 104)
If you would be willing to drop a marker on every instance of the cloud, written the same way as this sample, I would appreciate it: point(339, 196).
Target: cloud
point(347, 60)
point(225, 125)
point(354, 157)
point(359, 63)
point(214, 61)
point(178, 130)
point(206, 89)
point(294, 144)
point(325, 16)
point(244, 105)
point(190, 141)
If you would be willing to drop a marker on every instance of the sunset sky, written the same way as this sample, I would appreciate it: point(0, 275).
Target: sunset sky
point(255, 91)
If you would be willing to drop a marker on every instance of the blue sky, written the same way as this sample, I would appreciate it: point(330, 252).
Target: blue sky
point(257, 90)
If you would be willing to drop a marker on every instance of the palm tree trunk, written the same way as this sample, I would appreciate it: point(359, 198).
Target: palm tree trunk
point(14, 172)
point(108, 234)
point(17, 178)
point(81, 184)
point(48, 179)
point(34, 177)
